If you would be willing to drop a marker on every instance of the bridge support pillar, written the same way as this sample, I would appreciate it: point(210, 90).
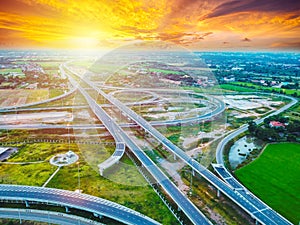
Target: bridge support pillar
point(193, 172)
point(101, 171)
point(179, 209)
point(98, 215)
point(20, 219)
point(174, 157)
point(27, 204)
point(67, 209)
point(218, 193)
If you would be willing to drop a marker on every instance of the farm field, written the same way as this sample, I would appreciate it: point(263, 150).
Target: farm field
point(19, 97)
point(236, 88)
point(259, 87)
point(274, 177)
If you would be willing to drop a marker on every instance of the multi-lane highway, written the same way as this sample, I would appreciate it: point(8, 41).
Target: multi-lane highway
point(240, 196)
point(97, 206)
point(251, 207)
point(190, 210)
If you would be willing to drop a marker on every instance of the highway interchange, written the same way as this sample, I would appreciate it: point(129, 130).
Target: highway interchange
point(245, 201)
point(191, 211)
point(243, 198)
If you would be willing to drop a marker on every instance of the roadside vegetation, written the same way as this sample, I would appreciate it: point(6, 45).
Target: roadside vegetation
point(221, 210)
point(287, 131)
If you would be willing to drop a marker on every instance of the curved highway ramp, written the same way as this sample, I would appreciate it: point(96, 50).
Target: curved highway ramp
point(89, 203)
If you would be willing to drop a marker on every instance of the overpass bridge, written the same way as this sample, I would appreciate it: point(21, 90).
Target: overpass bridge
point(50, 196)
point(49, 217)
point(244, 201)
point(190, 210)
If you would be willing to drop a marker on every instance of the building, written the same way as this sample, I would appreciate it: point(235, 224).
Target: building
point(276, 124)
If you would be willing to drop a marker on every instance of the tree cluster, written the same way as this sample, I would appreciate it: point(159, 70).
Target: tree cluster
point(266, 134)
point(290, 132)
point(281, 119)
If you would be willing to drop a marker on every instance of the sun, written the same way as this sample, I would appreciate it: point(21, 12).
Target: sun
point(84, 42)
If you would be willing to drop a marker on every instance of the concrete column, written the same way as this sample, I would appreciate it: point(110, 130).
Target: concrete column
point(27, 204)
point(218, 193)
point(20, 217)
point(193, 172)
point(174, 157)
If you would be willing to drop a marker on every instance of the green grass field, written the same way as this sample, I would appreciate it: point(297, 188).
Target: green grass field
point(236, 88)
point(121, 183)
point(165, 71)
point(259, 87)
point(15, 70)
point(275, 177)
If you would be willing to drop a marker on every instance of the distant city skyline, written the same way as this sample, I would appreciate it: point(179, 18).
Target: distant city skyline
point(198, 25)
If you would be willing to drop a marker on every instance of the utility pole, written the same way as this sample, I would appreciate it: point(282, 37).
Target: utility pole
point(6, 120)
point(68, 128)
point(78, 175)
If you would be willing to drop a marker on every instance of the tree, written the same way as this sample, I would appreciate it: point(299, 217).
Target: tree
point(252, 127)
point(291, 137)
point(293, 127)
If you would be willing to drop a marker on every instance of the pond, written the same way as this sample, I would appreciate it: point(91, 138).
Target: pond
point(241, 149)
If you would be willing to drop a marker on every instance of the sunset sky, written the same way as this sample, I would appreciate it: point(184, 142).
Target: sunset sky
point(195, 24)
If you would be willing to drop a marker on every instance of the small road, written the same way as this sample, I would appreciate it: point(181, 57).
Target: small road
point(242, 129)
point(50, 178)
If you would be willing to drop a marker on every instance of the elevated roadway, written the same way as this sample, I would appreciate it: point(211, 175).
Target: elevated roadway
point(45, 216)
point(108, 123)
point(113, 159)
point(190, 210)
point(95, 205)
point(241, 200)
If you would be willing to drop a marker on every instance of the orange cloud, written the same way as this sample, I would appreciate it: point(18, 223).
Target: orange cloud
point(91, 23)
